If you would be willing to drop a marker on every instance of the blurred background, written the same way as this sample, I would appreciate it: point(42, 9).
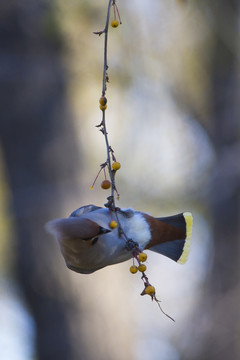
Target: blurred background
point(173, 122)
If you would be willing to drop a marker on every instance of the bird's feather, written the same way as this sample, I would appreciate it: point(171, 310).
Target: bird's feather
point(74, 228)
point(173, 238)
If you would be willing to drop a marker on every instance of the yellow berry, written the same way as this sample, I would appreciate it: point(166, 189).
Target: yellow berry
point(105, 184)
point(113, 224)
point(133, 269)
point(150, 290)
point(142, 267)
point(114, 23)
point(116, 165)
point(103, 107)
point(142, 257)
point(103, 100)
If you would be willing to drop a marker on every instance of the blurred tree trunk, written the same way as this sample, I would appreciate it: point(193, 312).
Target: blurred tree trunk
point(217, 325)
point(41, 155)
point(224, 205)
point(40, 150)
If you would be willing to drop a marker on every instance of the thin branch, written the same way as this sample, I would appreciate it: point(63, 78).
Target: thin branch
point(130, 244)
point(111, 204)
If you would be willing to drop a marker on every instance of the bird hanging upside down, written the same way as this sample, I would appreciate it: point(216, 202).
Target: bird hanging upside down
point(88, 243)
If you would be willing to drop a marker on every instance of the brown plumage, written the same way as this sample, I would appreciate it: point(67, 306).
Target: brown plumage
point(162, 232)
point(76, 228)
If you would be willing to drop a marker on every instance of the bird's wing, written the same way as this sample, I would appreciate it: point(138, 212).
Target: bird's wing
point(75, 228)
point(84, 210)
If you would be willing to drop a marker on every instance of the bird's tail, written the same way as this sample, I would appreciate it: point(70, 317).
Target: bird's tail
point(176, 246)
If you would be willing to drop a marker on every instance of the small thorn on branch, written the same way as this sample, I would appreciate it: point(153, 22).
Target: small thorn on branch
point(99, 33)
point(101, 124)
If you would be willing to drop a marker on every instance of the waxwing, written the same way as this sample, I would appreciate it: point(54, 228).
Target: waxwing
point(88, 243)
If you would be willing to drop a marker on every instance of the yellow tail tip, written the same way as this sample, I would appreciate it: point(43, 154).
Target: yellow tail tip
point(189, 223)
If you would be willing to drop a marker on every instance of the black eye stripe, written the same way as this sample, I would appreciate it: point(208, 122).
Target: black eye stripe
point(104, 231)
point(94, 240)
point(87, 239)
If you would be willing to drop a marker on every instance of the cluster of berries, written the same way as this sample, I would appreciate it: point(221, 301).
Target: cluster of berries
point(142, 257)
point(106, 184)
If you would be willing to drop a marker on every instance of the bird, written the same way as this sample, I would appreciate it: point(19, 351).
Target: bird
point(88, 243)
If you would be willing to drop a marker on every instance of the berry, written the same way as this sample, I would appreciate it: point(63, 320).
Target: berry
point(116, 165)
point(103, 107)
point(105, 184)
point(114, 23)
point(133, 269)
point(113, 224)
point(103, 100)
point(150, 290)
point(142, 257)
point(142, 267)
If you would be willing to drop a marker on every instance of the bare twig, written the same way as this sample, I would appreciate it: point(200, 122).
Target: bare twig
point(110, 204)
point(110, 153)
point(130, 245)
